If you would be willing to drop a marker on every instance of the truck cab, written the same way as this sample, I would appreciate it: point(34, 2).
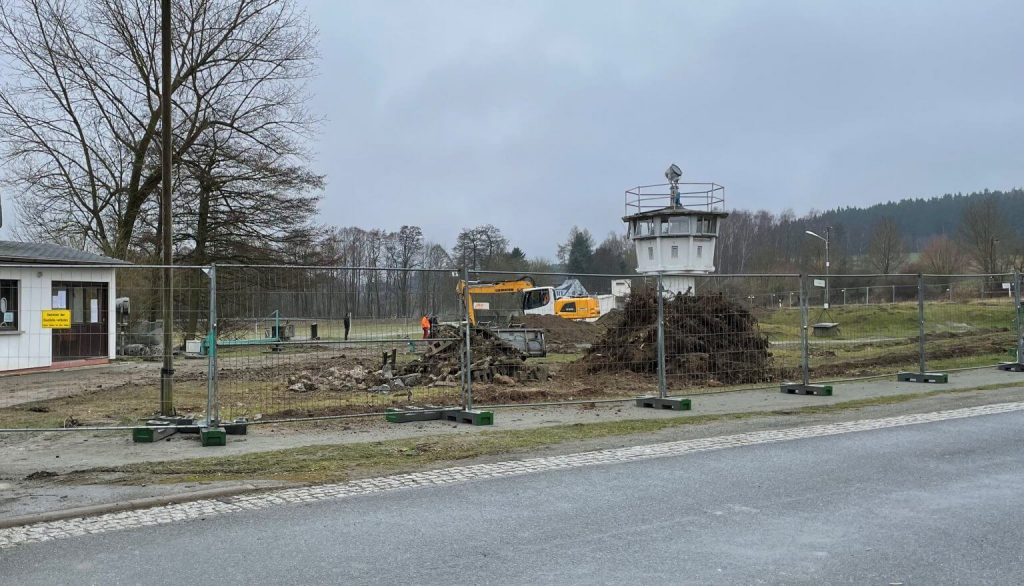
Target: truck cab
point(547, 301)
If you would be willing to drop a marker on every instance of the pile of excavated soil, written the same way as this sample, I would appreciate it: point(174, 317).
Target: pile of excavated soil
point(708, 339)
point(493, 359)
point(563, 335)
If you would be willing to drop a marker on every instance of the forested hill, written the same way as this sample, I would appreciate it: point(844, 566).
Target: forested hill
point(918, 219)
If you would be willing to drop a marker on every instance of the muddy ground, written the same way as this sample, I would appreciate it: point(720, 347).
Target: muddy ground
point(256, 384)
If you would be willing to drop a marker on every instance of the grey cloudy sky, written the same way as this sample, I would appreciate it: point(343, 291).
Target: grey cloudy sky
point(536, 116)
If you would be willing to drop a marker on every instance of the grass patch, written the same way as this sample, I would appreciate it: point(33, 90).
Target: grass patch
point(336, 463)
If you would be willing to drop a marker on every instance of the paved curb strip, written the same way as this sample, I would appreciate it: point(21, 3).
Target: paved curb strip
point(143, 503)
point(206, 508)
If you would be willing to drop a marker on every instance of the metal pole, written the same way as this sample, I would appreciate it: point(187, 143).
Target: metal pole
point(1020, 328)
point(212, 403)
point(167, 372)
point(804, 350)
point(894, 294)
point(920, 320)
point(828, 266)
point(467, 388)
point(867, 298)
point(662, 386)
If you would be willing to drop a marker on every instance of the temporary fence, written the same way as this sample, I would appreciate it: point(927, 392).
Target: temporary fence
point(81, 345)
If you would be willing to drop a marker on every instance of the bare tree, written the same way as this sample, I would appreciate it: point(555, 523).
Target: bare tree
point(479, 247)
point(942, 256)
point(406, 244)
point(80, 109)
point(886, 252)
point(982, 230)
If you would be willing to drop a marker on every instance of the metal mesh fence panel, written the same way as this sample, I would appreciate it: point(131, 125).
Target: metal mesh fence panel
point(81, 346)
point(868, 327)
point(299, 342)
point(969, 320)
point(732, 332)
point(575, 337)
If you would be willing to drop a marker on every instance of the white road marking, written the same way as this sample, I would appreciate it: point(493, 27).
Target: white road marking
point(212, 507)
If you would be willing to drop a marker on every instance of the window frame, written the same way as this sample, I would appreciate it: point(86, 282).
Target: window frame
point(15, 286)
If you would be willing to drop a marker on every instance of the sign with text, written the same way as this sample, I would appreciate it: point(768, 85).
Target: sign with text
point(57, 319)
point(819, 282)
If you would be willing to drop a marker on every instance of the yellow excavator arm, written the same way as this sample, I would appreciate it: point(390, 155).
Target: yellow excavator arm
point(467, 291)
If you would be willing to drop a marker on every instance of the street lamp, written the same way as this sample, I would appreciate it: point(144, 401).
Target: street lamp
point(827, 264)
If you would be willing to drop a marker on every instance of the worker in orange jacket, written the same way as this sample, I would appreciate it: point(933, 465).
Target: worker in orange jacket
point(425, 324)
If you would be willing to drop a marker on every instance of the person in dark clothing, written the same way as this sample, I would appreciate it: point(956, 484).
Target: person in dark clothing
point(433, 326)
point(348, 323)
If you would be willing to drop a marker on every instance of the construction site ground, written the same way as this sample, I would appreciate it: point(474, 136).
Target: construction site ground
point(325, 379)
point(58, 471)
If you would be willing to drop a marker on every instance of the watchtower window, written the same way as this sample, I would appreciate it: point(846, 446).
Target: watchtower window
point(679, 225)
point(675, 252)
point(707, 225)
point(650, 253)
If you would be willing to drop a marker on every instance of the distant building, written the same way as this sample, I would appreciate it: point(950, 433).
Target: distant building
point(35, 280)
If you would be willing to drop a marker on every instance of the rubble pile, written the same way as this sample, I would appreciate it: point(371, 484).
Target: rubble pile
point(708, 339)
point(330, 379)
point(493, 360)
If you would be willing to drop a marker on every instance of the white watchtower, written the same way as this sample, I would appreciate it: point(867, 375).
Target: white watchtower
point(674, 227)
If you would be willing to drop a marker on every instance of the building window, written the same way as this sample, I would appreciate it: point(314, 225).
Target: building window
point(680, 225)
point(700, 250)
point(675, 252)
point(707, 225)
point(8, 305)
point(650, 253)
point(664, 226)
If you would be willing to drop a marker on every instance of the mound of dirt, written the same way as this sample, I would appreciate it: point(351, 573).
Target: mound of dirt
point(563, 335)
point(493, 358)
point(708, 338)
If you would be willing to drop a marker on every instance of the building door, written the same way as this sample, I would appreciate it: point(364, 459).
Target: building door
point(87, 337)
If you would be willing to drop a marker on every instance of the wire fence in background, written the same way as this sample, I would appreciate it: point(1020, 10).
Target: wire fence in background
point(81, 345)
point(299, 342)
point(273, 343)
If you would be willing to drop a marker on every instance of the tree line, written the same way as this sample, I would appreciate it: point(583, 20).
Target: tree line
point(976, 237)
point(79, 141)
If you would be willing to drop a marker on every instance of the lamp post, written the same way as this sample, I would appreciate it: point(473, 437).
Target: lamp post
point(827, 264)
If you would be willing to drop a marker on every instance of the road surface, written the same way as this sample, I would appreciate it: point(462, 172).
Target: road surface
point(930, 503)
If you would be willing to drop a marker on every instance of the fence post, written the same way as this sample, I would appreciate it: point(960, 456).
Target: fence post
point(212, 401)
point(212, 434)
point(804, 387)
point(920, 319)
point(1020, 326)
point(804, 343)
point(662, 400)
point(922, 375)
point(467, 356)
point(662, 386)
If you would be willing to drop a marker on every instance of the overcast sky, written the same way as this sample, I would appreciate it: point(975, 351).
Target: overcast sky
point(536, 116)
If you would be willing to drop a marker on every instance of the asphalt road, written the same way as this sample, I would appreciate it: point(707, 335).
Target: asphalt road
point(936, 503)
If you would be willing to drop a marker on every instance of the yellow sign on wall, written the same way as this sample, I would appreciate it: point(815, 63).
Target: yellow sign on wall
point(57, 319)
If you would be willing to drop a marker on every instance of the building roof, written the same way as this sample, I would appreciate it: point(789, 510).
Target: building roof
point(47, 253)
point(677, 211)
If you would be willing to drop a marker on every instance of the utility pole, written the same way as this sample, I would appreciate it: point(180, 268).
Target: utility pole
point(166, 297)
point(828, 264)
